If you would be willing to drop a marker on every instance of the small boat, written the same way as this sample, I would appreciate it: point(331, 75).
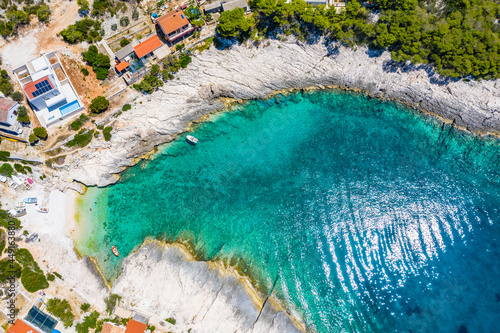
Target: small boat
point(17, 212)
point(115, 251)
point(20, 205)
point(3, 179)
point(191, 139)
point(30, 200)
point(42, 209)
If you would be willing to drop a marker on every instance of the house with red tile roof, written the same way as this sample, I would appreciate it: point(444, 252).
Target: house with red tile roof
point(110, 328)
point(174, 25)
point(147, 47)
point(21, 327)
point(8, 117)
point(134, 326)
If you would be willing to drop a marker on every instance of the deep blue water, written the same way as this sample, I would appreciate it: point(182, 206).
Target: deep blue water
point(368, 216)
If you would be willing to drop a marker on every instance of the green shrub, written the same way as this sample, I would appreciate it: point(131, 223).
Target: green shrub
point(106, 132)
point(124, 21)
point(89, 321)
point(135, 14)
point(149, 84)
point(111, 302)
point(179, 47)
point(126, 107)
point(4, 155)
point(40, 132)
point(33, 138)
point(83, 30)
point(19, 168)
point(84, 71)
point(82, 138)
point(50, 277)
point(33, 280)
point(124, 42)
point(58, 275)
point(17, 96)
point(114, 26)
point(22, 115)
point(99, 104)
point(24, 257)
point(76, 125)
point(8, 269)
point(6, 220)
point(62, 309)
point(6, 170)
point(85, 307)
point(171, 320)
point(99, 61)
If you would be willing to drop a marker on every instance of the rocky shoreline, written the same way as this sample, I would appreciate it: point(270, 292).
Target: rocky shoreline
point(240, 73)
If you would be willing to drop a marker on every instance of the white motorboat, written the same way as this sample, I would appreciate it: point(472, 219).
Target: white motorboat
point(191, 139)
point(41, 209)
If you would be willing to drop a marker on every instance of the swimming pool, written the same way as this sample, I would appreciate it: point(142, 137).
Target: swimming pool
point(70, 107)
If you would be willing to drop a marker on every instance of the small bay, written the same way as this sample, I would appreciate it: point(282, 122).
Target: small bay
point(359, 215)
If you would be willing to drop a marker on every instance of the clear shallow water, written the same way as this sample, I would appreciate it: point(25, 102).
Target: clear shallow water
point(366, 216)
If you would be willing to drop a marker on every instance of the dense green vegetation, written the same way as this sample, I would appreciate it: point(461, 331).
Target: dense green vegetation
point(111, 302)
point(459, 37)
point(32, 276)
point(149, 84)
point(106, 132)
point(90, 321)
point(14, 17)
point(78, 123)
point(22, 115)
point(62, 309)
point(171, 320)
point(8, 268)
point(99, 104)
point(6, 170)
point(4, 155)
point(6, 220)
point(82, 138)
point(124, 42)
point(126, 107)
point(99, 61)
point(5, 85)
point(40, 132)
point(83, 30)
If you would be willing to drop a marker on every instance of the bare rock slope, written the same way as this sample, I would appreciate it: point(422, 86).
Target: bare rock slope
point(247, 73)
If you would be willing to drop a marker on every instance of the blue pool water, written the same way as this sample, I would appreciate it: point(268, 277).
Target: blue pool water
point(368, 216)
point(70, 107)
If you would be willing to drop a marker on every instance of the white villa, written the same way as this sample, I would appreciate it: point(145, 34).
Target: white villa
point(48, 89)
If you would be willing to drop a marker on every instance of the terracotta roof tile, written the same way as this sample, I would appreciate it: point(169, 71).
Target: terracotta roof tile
point(110, 328)
point(172, 21)
point(148, 46)
point(5, 106)
point(135, 327)
point(21, 327)
point(121, 66)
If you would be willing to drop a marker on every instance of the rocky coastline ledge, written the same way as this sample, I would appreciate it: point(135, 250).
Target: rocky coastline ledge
point(244, 72)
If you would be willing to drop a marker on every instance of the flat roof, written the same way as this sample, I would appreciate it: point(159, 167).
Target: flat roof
point(172, 21)
point(148, 46)
point(230, 5)
point(123, 52)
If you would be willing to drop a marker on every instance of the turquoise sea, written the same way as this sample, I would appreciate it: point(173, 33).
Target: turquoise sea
point(364, 215)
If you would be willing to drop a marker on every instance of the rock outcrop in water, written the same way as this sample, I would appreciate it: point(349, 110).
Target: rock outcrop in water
point(160, 280)
point(248, 73)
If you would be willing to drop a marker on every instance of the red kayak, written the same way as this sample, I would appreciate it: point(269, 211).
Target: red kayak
point(115, 251)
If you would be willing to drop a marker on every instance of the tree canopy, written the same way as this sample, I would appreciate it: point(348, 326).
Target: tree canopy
point(459, 37)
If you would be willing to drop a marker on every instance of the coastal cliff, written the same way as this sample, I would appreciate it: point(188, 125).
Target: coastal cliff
point(244, 72)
